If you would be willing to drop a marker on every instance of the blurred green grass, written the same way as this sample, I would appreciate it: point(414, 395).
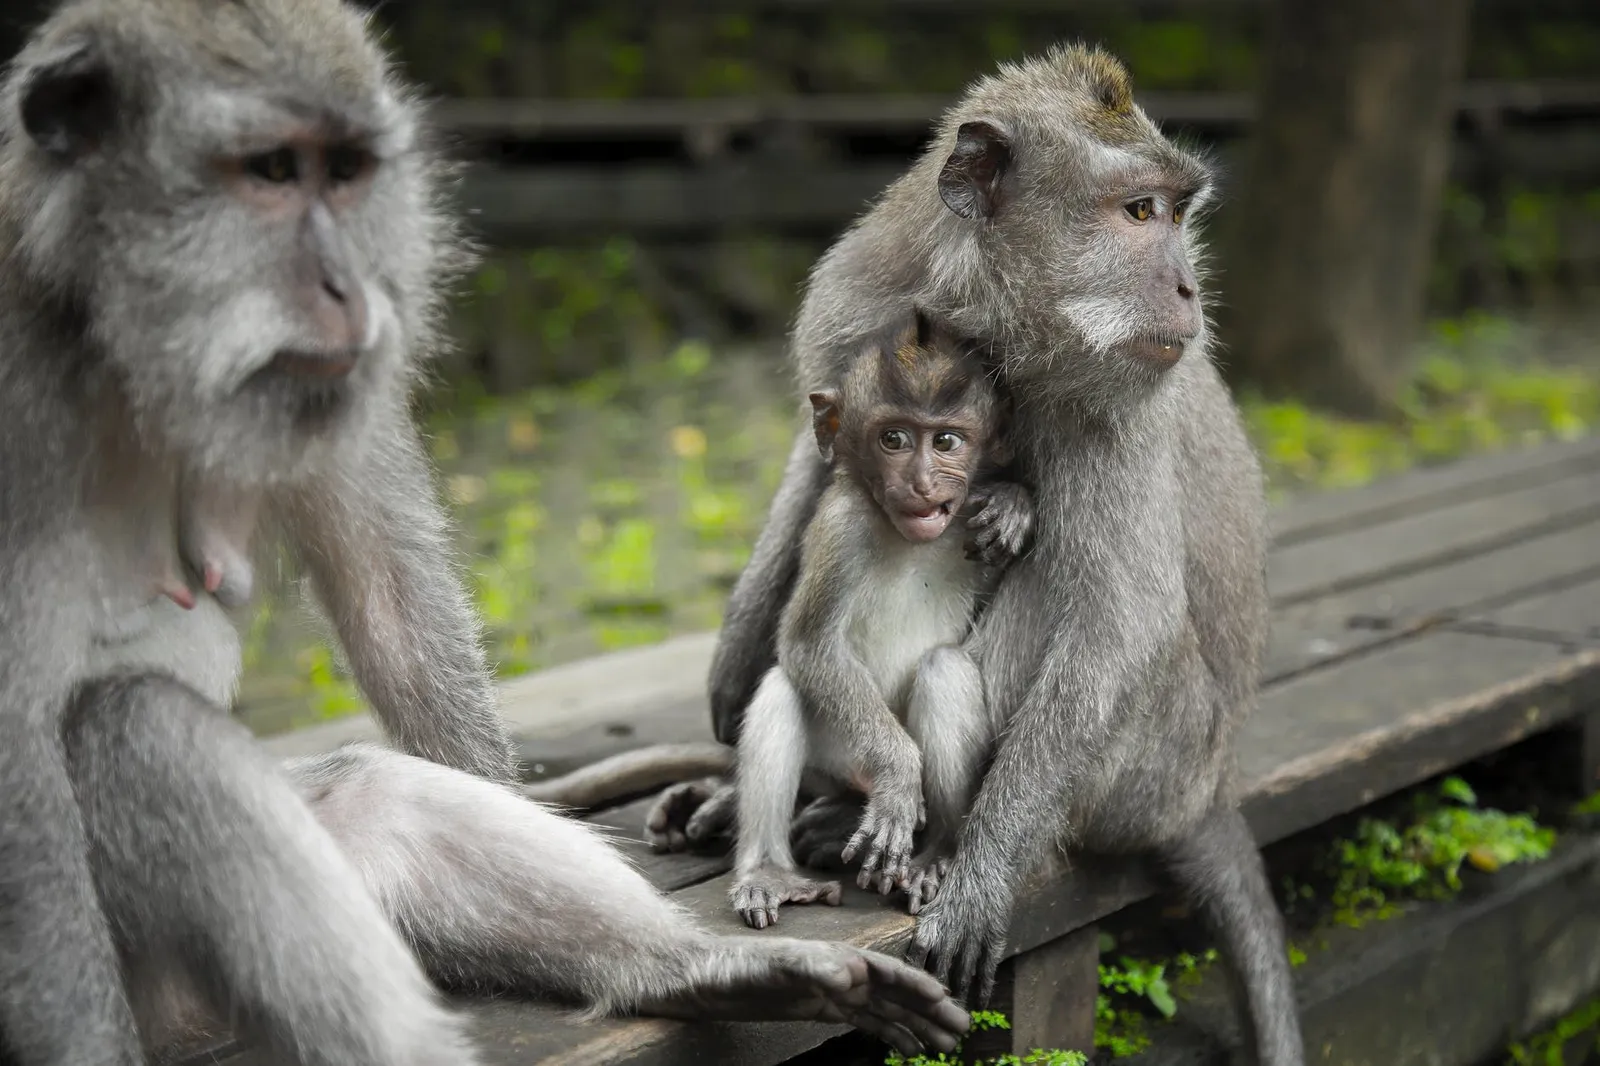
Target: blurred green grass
point(617, 510)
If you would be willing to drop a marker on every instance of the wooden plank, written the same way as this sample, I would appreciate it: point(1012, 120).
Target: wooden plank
point(1323, 513)
point(816, 193)
point(600, 119)
point(1334, 740)
point(1053, 990)
point(1320, 567)
point(1569, 615)
point(529, 205)
point(1318, 631)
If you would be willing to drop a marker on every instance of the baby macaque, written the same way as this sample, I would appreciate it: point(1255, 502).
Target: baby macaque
point(872, 691)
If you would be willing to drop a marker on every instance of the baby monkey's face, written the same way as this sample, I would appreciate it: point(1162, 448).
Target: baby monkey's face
point(923, 472)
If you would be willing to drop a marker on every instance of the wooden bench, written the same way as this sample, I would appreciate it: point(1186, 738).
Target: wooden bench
point(1418, 623)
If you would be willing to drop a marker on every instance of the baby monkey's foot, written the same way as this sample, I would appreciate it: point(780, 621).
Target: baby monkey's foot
point(922, 883)
point(886, 832)
point(758, 895)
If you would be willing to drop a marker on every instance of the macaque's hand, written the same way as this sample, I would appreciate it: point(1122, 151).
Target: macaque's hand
point(1001, 529)
point(894, 813)
point(962, 934)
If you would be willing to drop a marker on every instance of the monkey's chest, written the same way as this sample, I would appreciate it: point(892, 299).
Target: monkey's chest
point(137, 625)
point(911, 602)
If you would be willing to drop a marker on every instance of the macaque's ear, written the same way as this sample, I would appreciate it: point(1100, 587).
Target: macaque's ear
point(970, 182)
point(68, 101)
point(825, 420)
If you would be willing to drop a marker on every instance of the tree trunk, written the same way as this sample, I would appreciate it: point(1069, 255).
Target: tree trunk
point(1332, 231)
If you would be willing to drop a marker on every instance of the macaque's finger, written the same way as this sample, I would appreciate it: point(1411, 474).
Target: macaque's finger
point(883, 1014)
point(853, 845)
point(713, 819)
point(988, 965)
point(896, 1036)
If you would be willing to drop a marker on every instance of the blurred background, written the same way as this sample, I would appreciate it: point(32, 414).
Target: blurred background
point(1407, 258)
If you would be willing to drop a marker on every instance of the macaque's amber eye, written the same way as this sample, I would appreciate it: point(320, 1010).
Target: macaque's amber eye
point(345, 163)
point(894, 440)
point(1140, 210)
point(277, 166)
point(1179, 209)
point(947, 441)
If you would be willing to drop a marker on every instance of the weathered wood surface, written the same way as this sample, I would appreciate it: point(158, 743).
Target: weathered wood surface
point(1418, 624)
point(710, 118)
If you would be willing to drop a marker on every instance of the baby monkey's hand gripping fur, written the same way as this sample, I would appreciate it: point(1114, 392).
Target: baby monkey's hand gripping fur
point(870, 691)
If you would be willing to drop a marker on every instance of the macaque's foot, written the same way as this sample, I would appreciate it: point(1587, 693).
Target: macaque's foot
point(758, 895)
point(780, 979)
point(690, 814)
point(922, 883)
point(1003, 524)
point(885, 836)
point(961, 936)
point(823, 828)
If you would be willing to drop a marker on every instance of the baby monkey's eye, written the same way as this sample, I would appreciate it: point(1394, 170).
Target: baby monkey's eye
point(277, 166)
point(894, 440)
point(1140, 210)
point(1179, 210)
point(947, 441)
point(346, 163)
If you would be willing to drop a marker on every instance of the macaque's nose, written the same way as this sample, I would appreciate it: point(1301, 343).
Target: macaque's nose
point(340, 314)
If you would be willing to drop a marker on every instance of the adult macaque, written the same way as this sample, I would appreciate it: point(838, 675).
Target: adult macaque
point(221, 258)
point(1050, 217)
point(872, 689)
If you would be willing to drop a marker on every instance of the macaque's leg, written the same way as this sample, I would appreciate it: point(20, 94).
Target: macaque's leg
point(1219, 868)
point(773, 750)
point(497, 892)
point(204, 855)
point(948, 718)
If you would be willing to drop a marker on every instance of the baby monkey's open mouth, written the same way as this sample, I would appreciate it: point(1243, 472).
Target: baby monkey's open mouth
point(925, 524)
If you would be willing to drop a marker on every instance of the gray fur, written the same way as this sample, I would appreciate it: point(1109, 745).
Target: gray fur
point(1123, 651)
point(204, 354)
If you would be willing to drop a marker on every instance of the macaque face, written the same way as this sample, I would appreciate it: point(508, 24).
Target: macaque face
point(922, 472)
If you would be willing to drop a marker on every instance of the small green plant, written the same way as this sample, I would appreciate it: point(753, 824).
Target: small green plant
point(991, 1019)
point(1589, 805)
point(1384, 863)
point(1549, 1047)
point(1120, 1024)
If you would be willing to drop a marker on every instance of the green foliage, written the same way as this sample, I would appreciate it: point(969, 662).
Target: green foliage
point(1588, 806)
point(1121, 1025)
point(617, 507)
point(1385, 863)
point(1549, 1047)
point(990, 1019)
point(1470, 393)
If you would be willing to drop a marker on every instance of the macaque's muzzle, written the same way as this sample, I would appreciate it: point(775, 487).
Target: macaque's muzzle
point(920, 521)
